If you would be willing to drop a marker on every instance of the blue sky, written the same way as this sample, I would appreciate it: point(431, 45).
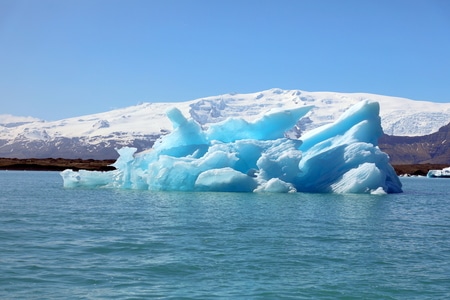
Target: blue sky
point(68, 58)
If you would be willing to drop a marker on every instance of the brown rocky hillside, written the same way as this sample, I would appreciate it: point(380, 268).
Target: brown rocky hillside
point(428, 149)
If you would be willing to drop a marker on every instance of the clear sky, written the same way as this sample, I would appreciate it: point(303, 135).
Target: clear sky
point(67, 58)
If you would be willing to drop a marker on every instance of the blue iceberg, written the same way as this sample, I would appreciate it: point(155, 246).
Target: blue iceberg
point(240, 156)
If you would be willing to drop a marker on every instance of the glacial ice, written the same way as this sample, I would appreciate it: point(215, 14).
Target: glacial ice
point(240, 156)
point(444, 173)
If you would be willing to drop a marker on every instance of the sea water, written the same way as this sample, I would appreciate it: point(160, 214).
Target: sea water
point(58, 243)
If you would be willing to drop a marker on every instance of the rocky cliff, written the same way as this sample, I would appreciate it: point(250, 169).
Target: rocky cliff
point(427, 149)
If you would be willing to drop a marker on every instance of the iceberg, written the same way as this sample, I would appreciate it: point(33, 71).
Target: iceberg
point(241, 156)
point(444, 173)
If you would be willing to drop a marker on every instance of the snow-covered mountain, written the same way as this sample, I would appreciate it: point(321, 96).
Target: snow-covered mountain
point(96, 136)
point(13, 121)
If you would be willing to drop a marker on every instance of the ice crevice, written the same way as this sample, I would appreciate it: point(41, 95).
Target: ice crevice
point(240, 156)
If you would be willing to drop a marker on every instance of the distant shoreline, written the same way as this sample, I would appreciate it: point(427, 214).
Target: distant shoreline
point(60, 164)
point(418, 169)
point(55, 164)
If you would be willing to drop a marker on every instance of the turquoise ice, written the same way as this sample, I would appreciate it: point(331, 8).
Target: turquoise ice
point(240, 156)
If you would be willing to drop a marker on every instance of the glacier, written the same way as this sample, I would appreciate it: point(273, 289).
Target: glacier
point(236, 155)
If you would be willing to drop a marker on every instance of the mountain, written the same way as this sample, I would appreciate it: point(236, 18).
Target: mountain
point(428, 149)
point(13, 121)
point(96, 136)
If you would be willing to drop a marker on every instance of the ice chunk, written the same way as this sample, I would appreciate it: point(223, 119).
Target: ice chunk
point(276, 185)
point(225, 180)
point(269, 127)
point(444, 173)
point(240, 156)
point(85, 178)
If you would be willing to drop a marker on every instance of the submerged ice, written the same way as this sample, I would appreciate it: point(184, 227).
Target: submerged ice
point(240, 156)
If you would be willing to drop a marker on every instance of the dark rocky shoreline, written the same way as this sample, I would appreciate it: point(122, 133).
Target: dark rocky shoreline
point(55, 164)
point(60, 164)
point(418, 170)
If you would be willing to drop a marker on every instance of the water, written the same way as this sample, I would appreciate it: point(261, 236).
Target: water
point(58, 243)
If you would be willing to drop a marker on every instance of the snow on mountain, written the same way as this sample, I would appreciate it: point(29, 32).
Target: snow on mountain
point(141, 124)
point(13, 121)
point(399, 116)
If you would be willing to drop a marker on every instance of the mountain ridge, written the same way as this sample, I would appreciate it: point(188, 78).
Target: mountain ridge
point(428, 149)
point(96, 136)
